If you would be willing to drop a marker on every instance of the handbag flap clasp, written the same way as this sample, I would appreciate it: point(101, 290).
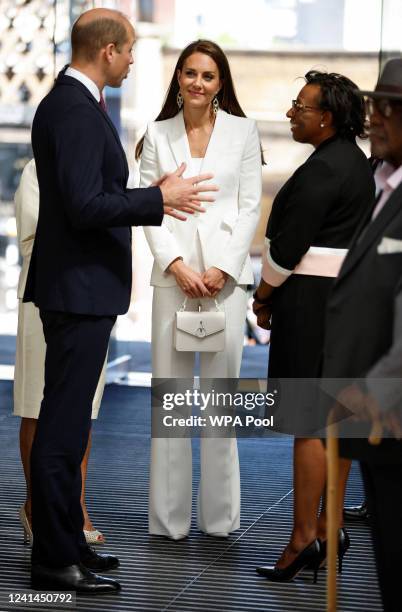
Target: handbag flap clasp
point(200, 324)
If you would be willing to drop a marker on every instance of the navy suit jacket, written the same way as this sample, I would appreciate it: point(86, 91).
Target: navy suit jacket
point(81, 259)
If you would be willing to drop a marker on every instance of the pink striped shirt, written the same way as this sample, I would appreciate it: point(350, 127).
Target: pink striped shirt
point(387, 180)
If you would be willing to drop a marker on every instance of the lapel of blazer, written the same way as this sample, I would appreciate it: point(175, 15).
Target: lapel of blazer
point(177, 139)
point(62, 79)
point(218, 138)
point(372, 232)
point(115, 134)
point(179, 145)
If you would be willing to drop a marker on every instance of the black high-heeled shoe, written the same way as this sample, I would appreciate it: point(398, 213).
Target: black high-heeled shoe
point(343, 546)
point(308, 558)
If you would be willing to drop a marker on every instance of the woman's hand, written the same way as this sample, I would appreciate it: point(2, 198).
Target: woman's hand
point(189, 281)
point(262, 310)
point(262, 305)
point(214, 280)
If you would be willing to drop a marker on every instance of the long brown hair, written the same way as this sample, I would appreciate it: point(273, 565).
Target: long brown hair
point(226, 96)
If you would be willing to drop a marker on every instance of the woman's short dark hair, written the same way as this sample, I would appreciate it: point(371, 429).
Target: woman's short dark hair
point(339, 96)
point(226, 96)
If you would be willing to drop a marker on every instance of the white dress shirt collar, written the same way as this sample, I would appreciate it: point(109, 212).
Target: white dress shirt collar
point(82, 78)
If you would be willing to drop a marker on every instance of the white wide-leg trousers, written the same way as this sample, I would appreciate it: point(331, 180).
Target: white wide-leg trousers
point(171, 458)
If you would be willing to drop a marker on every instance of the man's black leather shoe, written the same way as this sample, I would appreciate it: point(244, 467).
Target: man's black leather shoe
point(71, 578)
point(356, 513)
point(98, 563)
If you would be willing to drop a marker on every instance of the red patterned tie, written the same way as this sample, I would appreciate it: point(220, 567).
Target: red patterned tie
point(103, 103)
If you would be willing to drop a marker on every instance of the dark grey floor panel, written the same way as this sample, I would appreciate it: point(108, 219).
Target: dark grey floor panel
point(200, 573)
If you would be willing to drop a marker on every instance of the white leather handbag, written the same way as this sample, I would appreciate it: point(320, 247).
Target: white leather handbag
point(199, 331)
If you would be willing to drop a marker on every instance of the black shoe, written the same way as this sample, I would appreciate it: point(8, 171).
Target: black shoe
point(343, 546)
point(98, 563)
point(71, 578)
point(310, 557)
point(356, 513)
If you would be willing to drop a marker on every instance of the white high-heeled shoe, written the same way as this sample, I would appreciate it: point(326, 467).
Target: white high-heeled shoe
point(94, 537)
point(177, 536)
point(28, 537)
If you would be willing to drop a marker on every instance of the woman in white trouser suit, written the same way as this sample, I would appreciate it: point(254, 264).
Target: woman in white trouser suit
point(207, 257)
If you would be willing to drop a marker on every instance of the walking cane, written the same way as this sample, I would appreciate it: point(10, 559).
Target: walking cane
point(332, 511)
point(332, 501)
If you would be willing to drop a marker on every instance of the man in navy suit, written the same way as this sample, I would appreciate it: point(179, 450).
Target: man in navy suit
point(80, 278)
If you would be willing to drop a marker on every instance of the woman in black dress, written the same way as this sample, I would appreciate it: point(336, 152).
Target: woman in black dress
point(313, 219)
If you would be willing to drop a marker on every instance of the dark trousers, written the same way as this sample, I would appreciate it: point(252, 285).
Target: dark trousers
point(383, 486)
point(76, 347)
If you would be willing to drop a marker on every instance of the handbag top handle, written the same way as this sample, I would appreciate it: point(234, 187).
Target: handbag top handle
point(183, 306)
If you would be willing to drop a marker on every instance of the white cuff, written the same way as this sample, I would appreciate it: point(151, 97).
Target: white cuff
point(272, 273)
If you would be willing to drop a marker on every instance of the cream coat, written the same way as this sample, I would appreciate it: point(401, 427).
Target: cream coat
point(26, 211)
point(31, 347)
point(227, 228)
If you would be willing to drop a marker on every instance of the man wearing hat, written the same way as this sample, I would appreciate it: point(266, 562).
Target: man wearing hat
point(362, 331)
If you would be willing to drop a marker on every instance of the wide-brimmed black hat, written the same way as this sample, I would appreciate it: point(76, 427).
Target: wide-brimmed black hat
point(389, 84)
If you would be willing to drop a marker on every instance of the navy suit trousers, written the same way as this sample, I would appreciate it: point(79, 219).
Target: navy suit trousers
point(76, 347)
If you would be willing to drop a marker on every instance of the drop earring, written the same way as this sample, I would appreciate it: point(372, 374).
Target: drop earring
point(322, 124)
point(179, 100)
point(215, 105)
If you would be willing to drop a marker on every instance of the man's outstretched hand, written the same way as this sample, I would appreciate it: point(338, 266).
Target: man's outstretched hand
point(184, 195)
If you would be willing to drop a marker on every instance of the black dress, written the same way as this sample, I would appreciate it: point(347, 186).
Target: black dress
point(320, 205)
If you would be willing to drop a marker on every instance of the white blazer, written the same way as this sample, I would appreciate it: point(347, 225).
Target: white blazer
point(26, 202)
point(227, 229)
